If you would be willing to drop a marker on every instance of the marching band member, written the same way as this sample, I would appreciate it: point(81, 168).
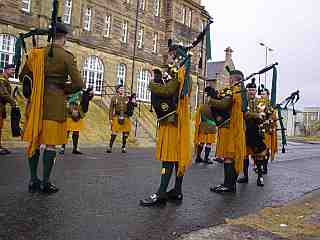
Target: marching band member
point(46, 110)
point(5, 97)
point(231, 135)
point(256, 146)
point(270, 129)
point(119, 118)
point(78, 105)
point(173, 147)
point(205, 134)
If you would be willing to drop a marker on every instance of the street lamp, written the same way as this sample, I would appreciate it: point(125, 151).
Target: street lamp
point(268, 49)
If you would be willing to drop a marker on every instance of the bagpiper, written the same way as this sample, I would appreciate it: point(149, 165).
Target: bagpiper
point(205, 133)
point(231, 134)
point(78, 106)
point(120, 110)
point(173, 146)
point(256, 147)
point(5, 97)
point(47, 70)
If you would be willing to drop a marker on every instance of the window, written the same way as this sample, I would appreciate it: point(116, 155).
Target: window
point(7, 47)
point(157, 8)
point(155, 42)
point(93, 73)
point(107, 26)
point(26, 5)
point(124, 36)
point(189, 18)
point(87, 19)
point(67, 11)
point(121, 73)
point(142, 4)
point(140, 37)
point(143, 80)
point(184, 15)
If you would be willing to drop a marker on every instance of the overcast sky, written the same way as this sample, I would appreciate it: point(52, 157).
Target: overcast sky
point(290, 27)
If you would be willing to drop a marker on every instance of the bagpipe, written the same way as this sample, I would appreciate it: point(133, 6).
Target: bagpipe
point(221, 117)
point(78, 103)
point(288, 101)
point(166, 106)
point(132, 104)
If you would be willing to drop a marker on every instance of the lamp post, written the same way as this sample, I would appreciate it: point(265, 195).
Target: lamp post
point(267, 49)
point(134, 46)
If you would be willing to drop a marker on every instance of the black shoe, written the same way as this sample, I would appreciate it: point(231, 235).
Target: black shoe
point(76, 152)
point(199, 160)
point(174, 195)
point(260, 182)
point(124, 150)
point(109, 150)
point(62, 150)
point(243, 180)
point(223, 189)
point(49, 188)
point(219, 160)
point(153, 200)
point(34, 186)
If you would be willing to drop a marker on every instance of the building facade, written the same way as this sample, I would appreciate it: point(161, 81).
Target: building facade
point(311, 116)
point(293, 122)
point(217, 74)
point(114, 41)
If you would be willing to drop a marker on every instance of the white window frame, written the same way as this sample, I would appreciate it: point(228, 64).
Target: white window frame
point(184, 15)
point(155, 42)
point(157, 7)
point(93, 72)
point(28, 3)
point(121, 74)
point(124, 35)
point(107, 28)
point(67, 11)
point(142, 5)
point(7, 50)
point(87, 19)
point(140, 37)
point(143, 92)
point(189, 22)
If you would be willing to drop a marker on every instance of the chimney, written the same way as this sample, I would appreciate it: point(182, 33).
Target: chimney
point(229, 52)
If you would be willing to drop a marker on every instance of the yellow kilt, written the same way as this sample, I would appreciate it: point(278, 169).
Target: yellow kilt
point(167, 143)
point(120, 128)
point(267, 140)
point(225, 143)
point(74, 126)
point(206, 138)
point(1, 123)
point(53, 133)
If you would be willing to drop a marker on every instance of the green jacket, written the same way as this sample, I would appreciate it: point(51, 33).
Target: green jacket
point(118, 104)
point(58, 70)
point(5, 96)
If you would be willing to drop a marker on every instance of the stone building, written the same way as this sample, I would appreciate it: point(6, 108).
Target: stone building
point(114, 41)
point(217, 75)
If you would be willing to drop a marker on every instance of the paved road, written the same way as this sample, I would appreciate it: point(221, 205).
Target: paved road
point(100, 193)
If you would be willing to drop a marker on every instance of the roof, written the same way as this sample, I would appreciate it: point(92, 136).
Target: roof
point(215, 68)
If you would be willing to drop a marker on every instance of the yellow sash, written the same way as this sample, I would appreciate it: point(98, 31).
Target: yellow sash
point(34, 123)
point(184, 128)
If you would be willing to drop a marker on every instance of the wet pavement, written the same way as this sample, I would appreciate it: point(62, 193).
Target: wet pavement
point(100, 193)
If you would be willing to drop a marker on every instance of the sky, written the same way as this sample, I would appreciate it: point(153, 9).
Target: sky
point(290, 27)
